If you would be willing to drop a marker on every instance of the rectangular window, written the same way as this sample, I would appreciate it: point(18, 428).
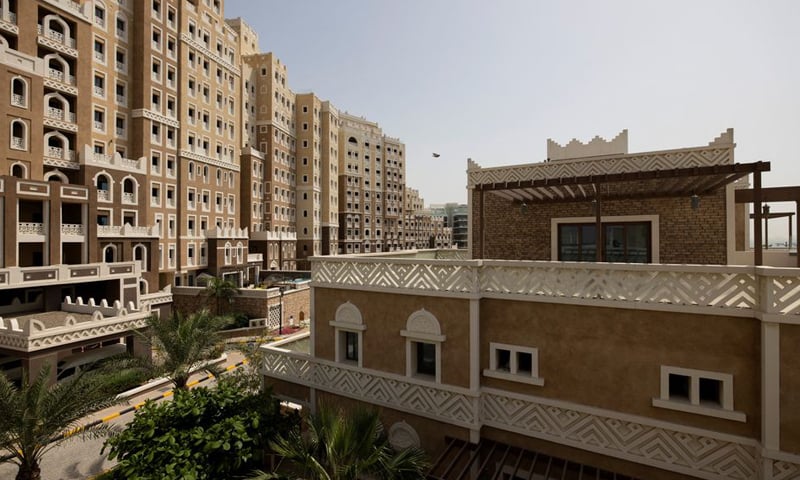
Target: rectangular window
point(628, 242)
point(351, 346)
point(426, 358)
point(515, 363)
point(699, 392)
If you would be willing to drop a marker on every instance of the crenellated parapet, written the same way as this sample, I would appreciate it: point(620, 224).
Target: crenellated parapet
point(594, 147)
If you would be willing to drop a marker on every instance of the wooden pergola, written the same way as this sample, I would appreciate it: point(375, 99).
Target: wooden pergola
point(771, 194)
point(691, 182)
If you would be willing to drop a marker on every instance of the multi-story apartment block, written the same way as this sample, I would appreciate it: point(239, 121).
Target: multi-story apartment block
point(371, 187)
point(423, 227)
point(330, 179)
point(456, 216)
point(271, 111)
point(612, 318)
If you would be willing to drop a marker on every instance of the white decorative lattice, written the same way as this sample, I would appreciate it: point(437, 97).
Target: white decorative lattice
point(694, 157)
point(648, 444)
point(428, 276)
point(405, 394)
point(785, 470)
point(784, 295)
point(698, 288)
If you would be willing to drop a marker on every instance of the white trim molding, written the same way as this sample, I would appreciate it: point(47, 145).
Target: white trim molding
point(512, 373)
point(348, 319)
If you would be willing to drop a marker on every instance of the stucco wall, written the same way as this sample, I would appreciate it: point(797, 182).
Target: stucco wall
point(611, 358)
point(790, 388)
point(385, 315)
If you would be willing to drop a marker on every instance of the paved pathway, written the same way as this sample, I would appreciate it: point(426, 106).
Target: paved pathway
point(81, 459)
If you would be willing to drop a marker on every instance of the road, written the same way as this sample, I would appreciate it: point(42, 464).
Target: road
point(81, 459)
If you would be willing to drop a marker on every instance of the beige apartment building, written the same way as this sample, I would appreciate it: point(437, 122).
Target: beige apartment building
point(423, 228)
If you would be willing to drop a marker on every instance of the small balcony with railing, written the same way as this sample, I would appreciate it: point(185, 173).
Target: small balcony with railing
point(56, 40)
point(60, 76)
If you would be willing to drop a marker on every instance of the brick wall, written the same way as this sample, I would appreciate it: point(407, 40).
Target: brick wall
point(254, 303)
point(686, 235)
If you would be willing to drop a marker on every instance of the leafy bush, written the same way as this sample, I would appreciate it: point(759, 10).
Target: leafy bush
point(205, 433)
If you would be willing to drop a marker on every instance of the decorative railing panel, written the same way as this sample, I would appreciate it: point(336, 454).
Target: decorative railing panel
point(445, 403)
point(635, 439)
point(714, 289)
point(728, 289)
point(435, 276)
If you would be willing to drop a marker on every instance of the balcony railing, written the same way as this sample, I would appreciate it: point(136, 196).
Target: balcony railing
point(59, 76)
point(103, 195)
point(100, 91)
point(17, 100)
point(72, 229)
point(59, 114)
point(58, 152)
point(99, 126)
point(56, 36)
point(128, 197)
point(30, 228)
point(18, 143)
point(9, 17)
point(100, 56)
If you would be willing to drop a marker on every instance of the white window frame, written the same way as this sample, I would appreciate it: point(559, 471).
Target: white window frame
point(513, 374)
point(725, 411)
point(348, 319)
point(422, 327)
point(654, 230)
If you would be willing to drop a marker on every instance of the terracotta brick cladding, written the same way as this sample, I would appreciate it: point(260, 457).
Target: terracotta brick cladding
point(686, 235)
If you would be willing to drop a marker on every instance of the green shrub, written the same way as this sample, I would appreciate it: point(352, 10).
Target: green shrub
point(205, 433)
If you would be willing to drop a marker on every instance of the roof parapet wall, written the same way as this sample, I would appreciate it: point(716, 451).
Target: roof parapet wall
point(594, 147)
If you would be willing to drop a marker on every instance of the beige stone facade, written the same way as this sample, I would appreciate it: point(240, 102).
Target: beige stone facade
point(655, 365)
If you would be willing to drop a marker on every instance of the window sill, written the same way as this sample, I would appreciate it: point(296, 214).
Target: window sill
point(538, 381)
point(700, 410)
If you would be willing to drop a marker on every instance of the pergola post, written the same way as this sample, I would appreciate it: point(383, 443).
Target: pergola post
point(598, 237)
point(758, 254)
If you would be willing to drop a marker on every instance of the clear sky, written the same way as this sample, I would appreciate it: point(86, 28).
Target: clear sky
point(492, 80)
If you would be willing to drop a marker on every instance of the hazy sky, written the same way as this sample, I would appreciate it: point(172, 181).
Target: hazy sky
point(492, 80)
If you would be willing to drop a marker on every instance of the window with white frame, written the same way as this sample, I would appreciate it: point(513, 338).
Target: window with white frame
point(349, 329)
point(514, 362)
point(423, 346)
point(698, 391)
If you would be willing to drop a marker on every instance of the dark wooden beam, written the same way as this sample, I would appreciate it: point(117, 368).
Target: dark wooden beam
point(758, 254)
point(770, 194)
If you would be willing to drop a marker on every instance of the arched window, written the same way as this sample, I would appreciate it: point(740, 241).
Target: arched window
point(349, 327)
point(191, 170)
point(140, 255)
point(228, 253)
point(18, 170)
point(57, 146)
point(205, 174)
point(423, 346)
point(19, 92)
point(143, 287)
point(129, 189)
point(239, 252)
point(56, 176)
point(57, 107)
point(110, 254)
point(55, 27)
point(103, 183)
point(19, 134)
point(57, 68)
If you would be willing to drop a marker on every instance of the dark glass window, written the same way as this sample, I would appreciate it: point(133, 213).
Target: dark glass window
point(711, 391)
point(503, 359)
point(678, 387)
point(426, 358)
point(351, 346)
point(622, 242)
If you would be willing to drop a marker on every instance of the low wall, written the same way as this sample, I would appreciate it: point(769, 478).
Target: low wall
point(295, 303)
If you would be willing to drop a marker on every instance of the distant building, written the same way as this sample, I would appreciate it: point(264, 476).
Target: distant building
point(609, 317)
point(456, 216)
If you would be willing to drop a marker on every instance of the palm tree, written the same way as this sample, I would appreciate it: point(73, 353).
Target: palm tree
point(37, 416)
point(339, 446)
point(184, 341)
point(222, 291)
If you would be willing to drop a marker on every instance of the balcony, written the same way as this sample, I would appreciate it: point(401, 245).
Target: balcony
point(100, 56)
point(121, 67)
point(99, 91)
point(9, 17)
point(18, 143)
point(17, 100)
point(99, 126)
point(57, 37)
point(121, 100)
point(103, 195)
point(129, 198)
